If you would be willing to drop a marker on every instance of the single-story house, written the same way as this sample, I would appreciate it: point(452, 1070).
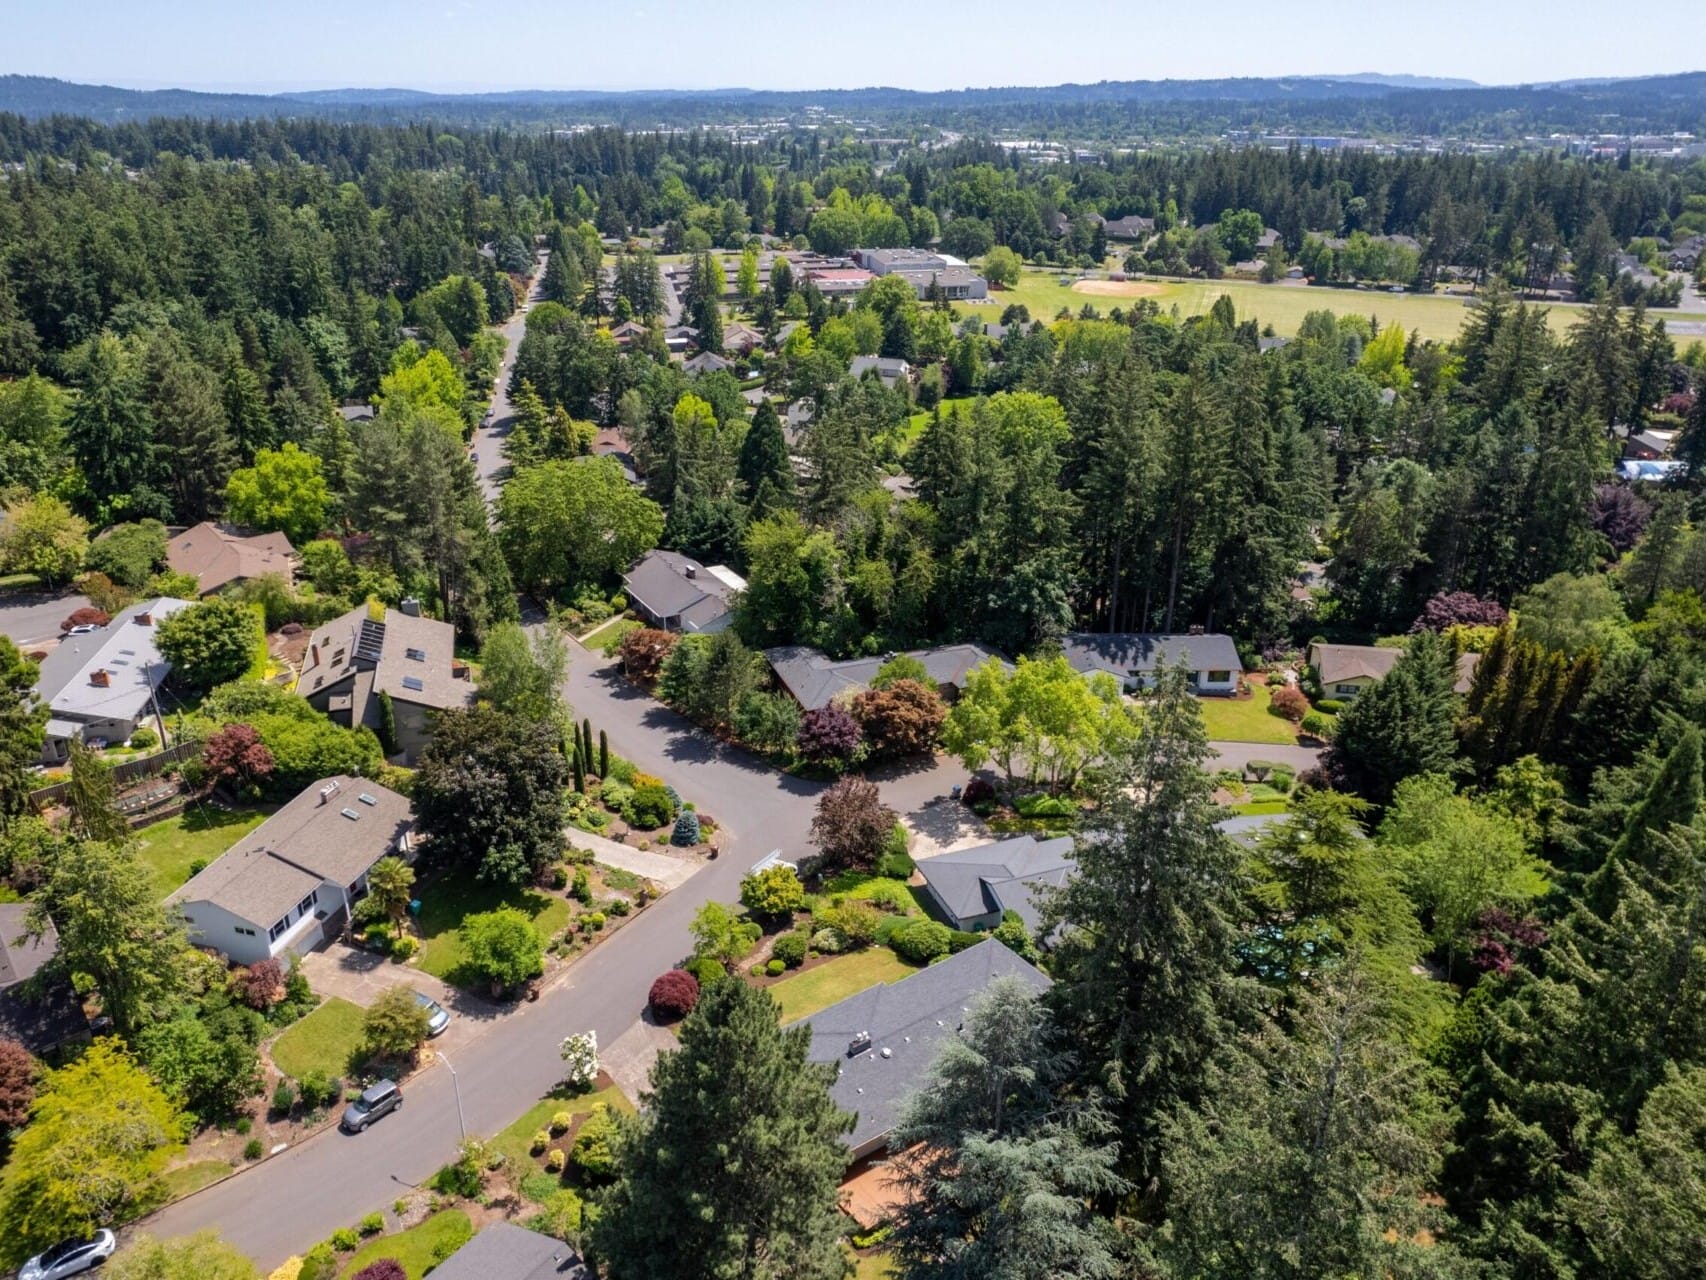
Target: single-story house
point(356, 412)
point(814, 680)
point(677, 338)
point(740, 338)
point(1130, 227)
point(628, 332)
point(892, 371)
point(99, 688)
point(883, 1039)
point(217, 556)
point(1649, 445)
point(289, 884)
point(706, 362)
point(1345, 670)
point(504, 1251)
point(1685, 255)
point(38, 1010)
point(354, 658)
point(1267, 240)
point(678, 594)
point(1134, 658)
point(973, 888)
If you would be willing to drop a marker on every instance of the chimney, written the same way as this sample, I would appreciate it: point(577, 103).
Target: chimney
point(144, 619)
point(410, 606)
point(692, 570)
point(458, 670)
point(314, 655)
point(100, 679)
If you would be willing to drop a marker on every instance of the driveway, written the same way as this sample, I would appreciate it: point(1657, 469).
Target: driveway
point(30, 617)
point(488, 441)
point(944, 825)
point(512, 1060)
point(359, 976)
point(1235, 755)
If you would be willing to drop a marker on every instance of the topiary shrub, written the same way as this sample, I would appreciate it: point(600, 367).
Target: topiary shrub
point(686, 833)
point(371, 1225)
point(560, 1122)
point(1330, 706)
point(921, 941)
point(674, 994)
point(344, 1239)
point(383, 1269)
point(706, 970)
point(790, 949)
point(541, 1140)
point(556, 1160)
point(775, 968)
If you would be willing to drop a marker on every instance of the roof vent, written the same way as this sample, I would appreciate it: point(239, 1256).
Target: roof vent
point(410, 606)
point(100, 679)
point(328, 791)
point(351, 814)
point(858, 1044)
point(690, 570)
point(887, 1052)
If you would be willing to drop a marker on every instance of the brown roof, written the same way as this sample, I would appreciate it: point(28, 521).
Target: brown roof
point(216, 555)
point(1336, 662)
point(411, 658)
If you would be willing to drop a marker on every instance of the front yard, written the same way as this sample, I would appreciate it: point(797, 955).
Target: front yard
point(837, 978)
point(199, 834)
point(419, 1249)
point(1246, 719)
point(446, 902)
point(527, 1172)
point(326, 1040)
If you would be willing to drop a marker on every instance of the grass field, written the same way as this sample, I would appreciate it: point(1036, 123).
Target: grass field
point(415, 1247)
point(1283, 306)
point(169, 847)
point(451, 900)
point(806, 993)
point(1245, 719)
point(325, 1040)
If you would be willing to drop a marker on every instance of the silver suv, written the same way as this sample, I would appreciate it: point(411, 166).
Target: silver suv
point(376, 1100)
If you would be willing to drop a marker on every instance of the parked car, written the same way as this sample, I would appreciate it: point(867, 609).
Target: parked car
point(376, 1101)
point(437, 1016)
point(70, 1258)
point(83, 629)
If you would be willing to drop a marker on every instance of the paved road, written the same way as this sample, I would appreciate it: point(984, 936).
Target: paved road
point(488, 441)
point(1235, 755)
point(29, 617)
point(286, 1204)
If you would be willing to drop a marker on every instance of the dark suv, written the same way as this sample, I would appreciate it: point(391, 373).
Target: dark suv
point(376, 1100)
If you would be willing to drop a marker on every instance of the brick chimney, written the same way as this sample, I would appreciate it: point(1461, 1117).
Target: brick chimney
point(144, 619)
point(100, 679)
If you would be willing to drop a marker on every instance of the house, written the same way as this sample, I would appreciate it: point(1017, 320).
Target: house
point(678, 594)
point(628, 333)
point(706, 362)
point(356, 412)
point(1649, 445)
point(677, 338)
point(741, 339)
point(814, 680)
point(882, 1040)
point(1685, 255)
point(1134, 658)
point(39, 1010)
point(892, 371)
point(289, 884)
point(99, 688)
point(355, 658)
point(1130, 227)
point(504, 1251)
point(973, 888)
point(217, 556)
point(1267, 240)
point(783, 331)
point(1345, 670)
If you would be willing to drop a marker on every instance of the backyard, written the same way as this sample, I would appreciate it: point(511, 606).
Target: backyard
point(199, 834)
point(837, 978)
point(1246, 719)
point(324, 1041)
point(446, 902)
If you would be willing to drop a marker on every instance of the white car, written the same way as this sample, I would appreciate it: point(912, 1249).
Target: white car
point(70, 1258)
point(83, 629)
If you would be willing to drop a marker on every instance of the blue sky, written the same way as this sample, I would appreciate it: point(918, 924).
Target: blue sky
point(268, 45)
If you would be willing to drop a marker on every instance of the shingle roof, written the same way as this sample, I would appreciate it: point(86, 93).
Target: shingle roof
point(215, 556)
point(999, 877)
point(1336, 662)
point(814, 679)
point(125, 649)
point(311, 840)
point(504, 1251)
point(355, 641)
point(659, 581)
point(43, 1015)
point(906, 1020)
point(1124, 652)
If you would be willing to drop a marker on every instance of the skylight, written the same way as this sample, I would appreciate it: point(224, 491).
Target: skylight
point(417, 655)
point(413, 682)
point(352, 815)
point(367, 799)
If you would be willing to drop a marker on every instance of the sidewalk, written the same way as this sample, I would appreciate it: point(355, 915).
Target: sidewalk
point(667, 871)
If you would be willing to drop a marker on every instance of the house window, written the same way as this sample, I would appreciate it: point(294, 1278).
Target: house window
point(280, 927)
point(1218, 677)
point(1345, 690)
point(247, 933)
point(310, 900)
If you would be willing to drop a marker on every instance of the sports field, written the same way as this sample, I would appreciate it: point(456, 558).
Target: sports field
point(1282, 305)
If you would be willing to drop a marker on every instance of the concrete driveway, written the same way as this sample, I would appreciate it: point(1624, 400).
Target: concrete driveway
point(359, 976)
point(944, 825)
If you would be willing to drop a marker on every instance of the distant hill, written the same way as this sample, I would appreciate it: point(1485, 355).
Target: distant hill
point(1404, 82)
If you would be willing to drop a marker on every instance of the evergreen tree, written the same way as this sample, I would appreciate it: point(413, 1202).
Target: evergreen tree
point(22, 722)
point(93, 799)
point(1400, 727)
point(191, 435)
point(765, 470)
point(1143, 971)
point(111, 437)
point(733, 1165)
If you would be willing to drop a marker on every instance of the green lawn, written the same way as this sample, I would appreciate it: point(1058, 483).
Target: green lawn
point(199, 832)
point(415, 1247)
point(325, 1040)
point(818, 988)
point(447, 902)
point(874, 1266)
point(1251, 807)
point(190, 1178)
point(1245, 719)
point(516, 1142)
point(607, 635)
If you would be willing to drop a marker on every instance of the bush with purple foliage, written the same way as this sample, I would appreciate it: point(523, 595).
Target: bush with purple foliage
point(674, 994)
point(1620, 514)
point(384, 1269)
point(1500, 936)
point(1459, 609)
point(827, 734)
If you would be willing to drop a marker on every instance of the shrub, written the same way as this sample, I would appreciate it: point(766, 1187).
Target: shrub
point(383, 1269)
point(561, 1216)
point(790, 949)
point(773, 894)
point(686, 833)
point(828, 735)
point(560, 1122)
point(775, 968)
point(260, 986)
point(674, 994)
point(403, 946)
point(243, 1125)
point(960, 939)
point(252, 1149)
point(318, 1090)
point(371, 1225)
point(559, 876)
point(1012, 934)
point(854, 922)
point(828, 942)
point(556, 1160)
point(283, 1098)
point(852, 825)
point(1317, 725)
point(344, 1239)
point(978, 791)
point(1042, 805)
point(705, 970)
point(197, 866)
point(318, 1263)
point(582, 890)
point(594, 1152)
point(644, 651)
point(580, 1059)
point(1331, 706)
point(1289, 704)
point(894, 897)
point(921, 941)
point(144, 738)
point(619, 906)
point(593, 921)
point(650, 806)
point(541, 1140)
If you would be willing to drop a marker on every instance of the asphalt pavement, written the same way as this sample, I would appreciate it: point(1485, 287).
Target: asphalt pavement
point(30, 617)
point(488, 441)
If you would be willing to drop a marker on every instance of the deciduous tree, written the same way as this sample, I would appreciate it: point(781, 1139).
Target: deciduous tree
point(851, 825)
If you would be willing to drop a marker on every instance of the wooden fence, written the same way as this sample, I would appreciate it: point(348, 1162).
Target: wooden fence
point(129, 771)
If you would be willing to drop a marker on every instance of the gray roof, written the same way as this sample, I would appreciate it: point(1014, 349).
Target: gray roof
point(41, 1015)
point(125, 649)
point(907, 1019)
point(1124, 652)
point(661, 582)
point(312, 840)
point(401, 651)
point(504, 1251)
point(887, 367)
point(1245, 827)
point(1003, 876)
point(706, 362)
point(815, 679)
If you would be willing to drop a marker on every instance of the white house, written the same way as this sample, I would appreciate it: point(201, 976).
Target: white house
point(99, 687)
point(1134, 658)
point(289, 884)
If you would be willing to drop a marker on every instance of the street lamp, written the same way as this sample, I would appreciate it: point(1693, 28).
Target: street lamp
point(457, 1085)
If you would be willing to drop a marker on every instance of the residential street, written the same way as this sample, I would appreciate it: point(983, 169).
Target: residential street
point(30, 617)
point(487, 444)
point(293, 1200)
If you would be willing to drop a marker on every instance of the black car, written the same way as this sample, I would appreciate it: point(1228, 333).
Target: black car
point(376, 1100)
